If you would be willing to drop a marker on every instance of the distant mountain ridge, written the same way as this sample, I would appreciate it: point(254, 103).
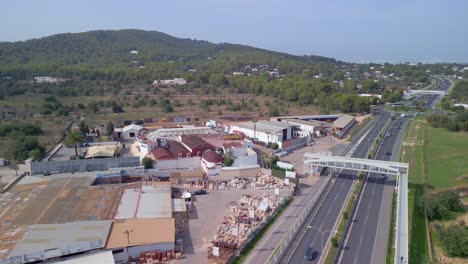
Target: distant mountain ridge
point(110, 47)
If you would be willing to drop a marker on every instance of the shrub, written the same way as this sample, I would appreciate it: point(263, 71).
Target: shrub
point(274, 146)
point(454, 240)
point(228, 161)
point(334, 241)
point(147, 163)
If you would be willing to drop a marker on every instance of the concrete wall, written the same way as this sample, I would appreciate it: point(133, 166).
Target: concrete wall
point(63, 166)
point(243, 161)
point(284, 165)
point(180, 163)
point(230, 173)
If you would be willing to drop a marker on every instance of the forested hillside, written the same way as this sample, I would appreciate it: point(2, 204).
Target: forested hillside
point(107, 54)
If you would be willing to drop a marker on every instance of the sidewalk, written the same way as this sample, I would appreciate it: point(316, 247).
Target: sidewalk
point(267, 245)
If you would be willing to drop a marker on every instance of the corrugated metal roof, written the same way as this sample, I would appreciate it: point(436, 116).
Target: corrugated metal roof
point(54, 240)
point(128, 204)
point(343, 121)
point(265, 126)
point(304, 122)
point(155, 202)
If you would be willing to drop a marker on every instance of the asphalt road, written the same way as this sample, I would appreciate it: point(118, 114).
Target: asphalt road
point(323, 217)
point(372, 217)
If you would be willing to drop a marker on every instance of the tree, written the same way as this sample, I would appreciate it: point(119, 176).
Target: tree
point(12, 152)
point(110, 128)
point(274, 146)
point(117, 109)
point(147, 163)
point(74, 137)
point(35, 154)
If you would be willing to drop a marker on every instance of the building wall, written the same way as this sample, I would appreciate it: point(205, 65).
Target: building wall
point(343, 131)
point(134, 252)
point(63, 166)
point(261, 136)
point(180, 163)
point(126, 134)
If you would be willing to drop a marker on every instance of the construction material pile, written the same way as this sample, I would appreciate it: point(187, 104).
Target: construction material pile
point(152, 257)
point(243, 220)
point(236, 183)
point(260, 182)
point(267, 182)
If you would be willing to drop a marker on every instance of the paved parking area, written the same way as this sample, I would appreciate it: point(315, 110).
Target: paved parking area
point(324, 144)
point(207, 213)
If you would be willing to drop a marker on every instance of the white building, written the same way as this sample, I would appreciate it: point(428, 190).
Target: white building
point(306, 128)
point(464, 105)
point(131, 131)
point(175, 81)
point(265, 131)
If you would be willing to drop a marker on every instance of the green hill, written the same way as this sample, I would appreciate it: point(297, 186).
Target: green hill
point(108, 50)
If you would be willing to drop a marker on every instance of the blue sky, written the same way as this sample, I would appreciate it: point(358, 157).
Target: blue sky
point(350, 30)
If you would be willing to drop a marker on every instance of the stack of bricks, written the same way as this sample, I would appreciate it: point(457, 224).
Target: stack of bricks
point(242, 220)
point(153, 257)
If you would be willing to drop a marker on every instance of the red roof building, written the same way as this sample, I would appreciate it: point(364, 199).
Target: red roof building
point(195, 144)
point(172, 150)
point(212, 156)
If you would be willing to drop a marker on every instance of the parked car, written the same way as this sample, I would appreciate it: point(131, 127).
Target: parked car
point(199, 192)
point(309, 254)
point(383, 176)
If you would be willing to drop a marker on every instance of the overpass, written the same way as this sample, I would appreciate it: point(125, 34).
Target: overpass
point(316, 161)
point(426, 92)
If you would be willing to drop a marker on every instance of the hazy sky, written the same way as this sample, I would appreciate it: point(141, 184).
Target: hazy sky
point(351, 30)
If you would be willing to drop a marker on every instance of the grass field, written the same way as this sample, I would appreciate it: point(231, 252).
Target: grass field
point(437, 158)
point(446, 158)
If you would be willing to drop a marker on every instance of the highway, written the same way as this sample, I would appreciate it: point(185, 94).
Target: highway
point(323, 218)
point(372, 216)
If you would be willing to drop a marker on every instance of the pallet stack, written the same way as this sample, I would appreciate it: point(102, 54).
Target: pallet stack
point(153, 257)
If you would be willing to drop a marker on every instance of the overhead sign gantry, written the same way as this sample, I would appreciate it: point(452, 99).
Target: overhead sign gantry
point(313, 161)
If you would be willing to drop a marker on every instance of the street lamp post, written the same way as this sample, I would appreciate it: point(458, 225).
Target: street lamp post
point(322, 233)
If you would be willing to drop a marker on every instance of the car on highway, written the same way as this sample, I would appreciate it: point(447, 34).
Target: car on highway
point(309, 254)
point(388, 153)
point(199, 192)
